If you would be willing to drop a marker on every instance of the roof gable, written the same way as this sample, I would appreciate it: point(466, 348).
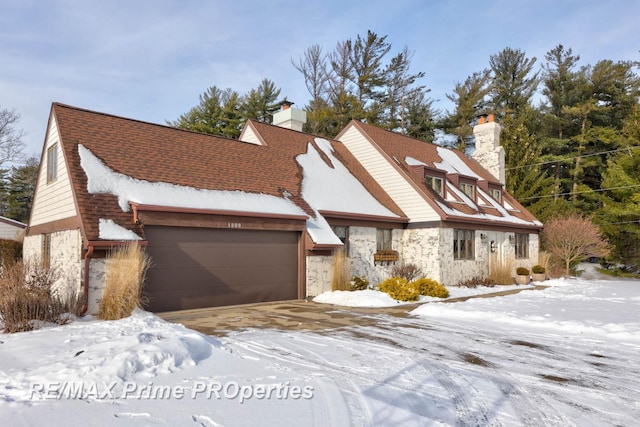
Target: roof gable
point(114, 161)
point(409, 154)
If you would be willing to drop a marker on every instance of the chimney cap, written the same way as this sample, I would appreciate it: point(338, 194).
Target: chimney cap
point(485, 118)
point(286, 104)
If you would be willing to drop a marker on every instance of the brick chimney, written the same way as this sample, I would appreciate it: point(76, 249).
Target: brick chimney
point(489, 153)
point(290, 118)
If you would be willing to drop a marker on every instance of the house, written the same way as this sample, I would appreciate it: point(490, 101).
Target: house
point(258, 219)
point(10, 229)
point(461, 221)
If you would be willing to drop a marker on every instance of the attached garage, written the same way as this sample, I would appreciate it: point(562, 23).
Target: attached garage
point(195, 267)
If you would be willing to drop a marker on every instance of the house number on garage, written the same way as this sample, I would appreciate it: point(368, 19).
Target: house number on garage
point(235, 225)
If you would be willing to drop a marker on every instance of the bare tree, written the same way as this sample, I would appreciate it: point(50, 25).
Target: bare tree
point(11, 144)
point(574, 238)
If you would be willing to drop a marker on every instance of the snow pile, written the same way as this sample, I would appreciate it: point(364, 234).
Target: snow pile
point(136, 348)
point(373, 298)
point(366, 298)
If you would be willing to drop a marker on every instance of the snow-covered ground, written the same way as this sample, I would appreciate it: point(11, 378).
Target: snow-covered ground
point(566, 355)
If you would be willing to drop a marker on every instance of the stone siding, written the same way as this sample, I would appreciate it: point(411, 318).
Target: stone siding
point(65, 258)
point(319, 270)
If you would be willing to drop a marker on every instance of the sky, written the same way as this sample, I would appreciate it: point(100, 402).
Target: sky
point(151, 59)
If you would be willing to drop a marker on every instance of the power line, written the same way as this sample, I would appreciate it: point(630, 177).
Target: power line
point(572, 158)
point(580, 192)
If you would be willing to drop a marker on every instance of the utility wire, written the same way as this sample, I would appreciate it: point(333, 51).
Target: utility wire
point(572, 158)
point(580, 192)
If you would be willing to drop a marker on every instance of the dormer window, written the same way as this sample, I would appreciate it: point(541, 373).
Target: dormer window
point(468, 189)
point(496, 194)
point(435, 183)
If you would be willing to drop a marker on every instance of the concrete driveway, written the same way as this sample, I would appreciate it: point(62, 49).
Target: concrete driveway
point(292, 315)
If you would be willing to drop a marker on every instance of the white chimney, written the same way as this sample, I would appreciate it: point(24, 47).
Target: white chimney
point(290, 118)
point(489, 153)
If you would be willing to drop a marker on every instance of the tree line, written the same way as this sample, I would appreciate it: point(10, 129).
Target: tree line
point(17, 181)
point(571, 132)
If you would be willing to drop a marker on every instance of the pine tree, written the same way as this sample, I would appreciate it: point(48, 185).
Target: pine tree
point(513, 82)
point(470, 101)
point(20, 188)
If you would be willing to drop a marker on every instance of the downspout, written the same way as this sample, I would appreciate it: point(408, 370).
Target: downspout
point(85, 281)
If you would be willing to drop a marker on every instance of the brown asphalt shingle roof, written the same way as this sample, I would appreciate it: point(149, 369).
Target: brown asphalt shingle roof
point(158, 153)
point(399, 147)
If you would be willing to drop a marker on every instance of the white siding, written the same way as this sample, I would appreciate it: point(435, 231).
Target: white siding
point(10, 232)
point(401, 191)
point(248, 135)
point(53, 201)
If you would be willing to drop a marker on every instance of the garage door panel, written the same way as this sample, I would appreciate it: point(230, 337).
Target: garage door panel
point(195, 267)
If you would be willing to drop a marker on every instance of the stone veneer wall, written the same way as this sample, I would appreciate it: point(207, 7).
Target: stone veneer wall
point(65, 257)
point(318, 274)
point(97, 275)
point(422, 248)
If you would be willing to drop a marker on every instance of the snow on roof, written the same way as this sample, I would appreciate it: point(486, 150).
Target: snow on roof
point(506, 216)
point(109, 230)
point(414, 162)
point(453, 164)
point(335, 188)
point(101, 179)
point(323, 187)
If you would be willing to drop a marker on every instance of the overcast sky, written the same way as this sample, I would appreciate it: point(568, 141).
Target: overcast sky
point(150, 59)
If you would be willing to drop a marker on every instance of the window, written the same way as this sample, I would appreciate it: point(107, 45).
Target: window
point(343, 234)
point(52, 163)
point(46, 250)
point(463, 244)
point(434, 183)
point(468, 189)
point(522, 246)
point(383, 239)
point(496, 194)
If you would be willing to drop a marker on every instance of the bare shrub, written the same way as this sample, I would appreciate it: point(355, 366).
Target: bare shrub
point(27, 297)
point(341, 271)
point(10, 252)
point(573, 238)
point(501, 272)
point(126, 269)
point(407, 271)
point(476, 281)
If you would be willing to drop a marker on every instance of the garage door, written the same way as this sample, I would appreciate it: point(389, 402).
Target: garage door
point(202, 267)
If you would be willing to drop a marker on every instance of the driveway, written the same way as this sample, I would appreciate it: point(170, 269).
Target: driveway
point(295, 315)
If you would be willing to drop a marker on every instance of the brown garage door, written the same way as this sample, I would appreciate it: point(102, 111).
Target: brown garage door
point(203, 267)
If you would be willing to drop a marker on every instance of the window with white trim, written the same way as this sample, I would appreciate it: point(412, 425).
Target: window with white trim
point(468, 189)
point(435, 183)
point(496, 195)
point(52, 163)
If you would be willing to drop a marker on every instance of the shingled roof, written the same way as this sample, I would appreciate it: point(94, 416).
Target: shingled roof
point(161, 154)
point(409, 152)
